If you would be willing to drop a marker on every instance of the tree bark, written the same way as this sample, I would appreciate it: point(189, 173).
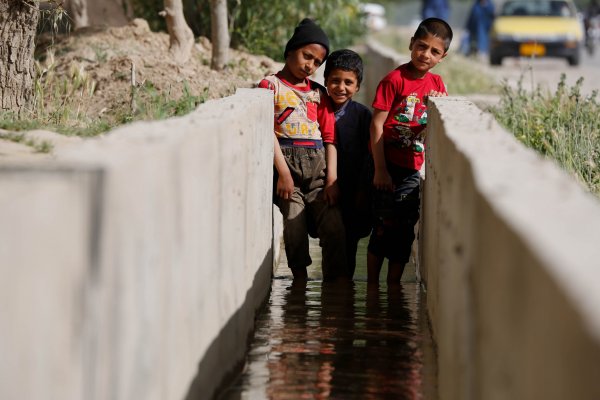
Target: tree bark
point(219, 34)
point(18, 21)
point(180, 34)
point(127, 7)
point(78, 10)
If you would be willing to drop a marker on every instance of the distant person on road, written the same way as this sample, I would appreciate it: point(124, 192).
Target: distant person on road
point(479, 23)
point(591, 25)
point(397, 145)
point(343, 76)
point(305, 156)
point(593, 9)
point(435, 9)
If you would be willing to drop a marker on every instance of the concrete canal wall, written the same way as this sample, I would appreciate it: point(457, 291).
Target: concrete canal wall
point(132, 264)
point(510, 256)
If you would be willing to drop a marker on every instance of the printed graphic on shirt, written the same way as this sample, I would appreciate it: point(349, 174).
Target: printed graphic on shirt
point(296, 113)
point(300, 112)
point(410, 113)
point(407, 109)
point(283, 116)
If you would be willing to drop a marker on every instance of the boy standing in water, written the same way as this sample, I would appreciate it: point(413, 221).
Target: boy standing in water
point(305, 154)
point(343, 76)
point(397, 144)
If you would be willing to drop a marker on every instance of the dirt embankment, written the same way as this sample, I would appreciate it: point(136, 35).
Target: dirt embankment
point(87, 75)
point(106, 55)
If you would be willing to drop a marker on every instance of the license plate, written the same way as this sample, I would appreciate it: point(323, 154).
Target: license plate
point(532, 49)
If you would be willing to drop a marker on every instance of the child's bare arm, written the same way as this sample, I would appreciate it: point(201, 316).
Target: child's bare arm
point(285, 182)
point(331, 191)
point(382, 179)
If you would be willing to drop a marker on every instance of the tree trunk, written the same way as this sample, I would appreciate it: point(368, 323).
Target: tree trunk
point(127, 8)
point(180, 34)
point(78, 11)
point(219, 34)
point(18, 21)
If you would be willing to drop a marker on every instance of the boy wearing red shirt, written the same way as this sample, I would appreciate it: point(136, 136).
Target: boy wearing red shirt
point(397, 137)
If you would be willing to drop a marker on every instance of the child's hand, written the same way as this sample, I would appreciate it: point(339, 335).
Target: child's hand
point(285, 186)
point(331, 193)
point(383, 181)
point(435, 93)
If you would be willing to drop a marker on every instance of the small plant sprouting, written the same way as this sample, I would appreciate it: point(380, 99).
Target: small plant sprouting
point(43, 147)
point(55, 14)
point(100, 53)
point(40, 146)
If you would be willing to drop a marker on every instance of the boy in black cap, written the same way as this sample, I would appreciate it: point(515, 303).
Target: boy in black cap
point(305, 155)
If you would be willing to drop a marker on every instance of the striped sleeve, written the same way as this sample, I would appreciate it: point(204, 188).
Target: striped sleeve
point(266, 84)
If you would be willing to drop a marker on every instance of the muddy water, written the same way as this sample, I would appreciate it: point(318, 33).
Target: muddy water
point(339, 341)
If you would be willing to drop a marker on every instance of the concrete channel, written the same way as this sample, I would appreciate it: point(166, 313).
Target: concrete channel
point(339, 340)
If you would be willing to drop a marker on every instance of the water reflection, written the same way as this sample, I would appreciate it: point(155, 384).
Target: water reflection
point(337, 341)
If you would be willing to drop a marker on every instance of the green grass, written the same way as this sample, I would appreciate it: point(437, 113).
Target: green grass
point(40, 146)
point(154, 104)
point(563, 125)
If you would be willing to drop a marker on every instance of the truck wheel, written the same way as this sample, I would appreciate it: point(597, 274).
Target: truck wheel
point(495, 60)
point(573, 60)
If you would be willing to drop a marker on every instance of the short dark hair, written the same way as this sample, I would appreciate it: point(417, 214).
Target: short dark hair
point(435, 27)
point(347, 60)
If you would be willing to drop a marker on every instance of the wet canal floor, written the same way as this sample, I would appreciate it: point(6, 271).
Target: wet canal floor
point(339, 340)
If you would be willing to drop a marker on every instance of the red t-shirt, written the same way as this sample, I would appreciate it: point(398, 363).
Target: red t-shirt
point(301, 112)
point(403, 130)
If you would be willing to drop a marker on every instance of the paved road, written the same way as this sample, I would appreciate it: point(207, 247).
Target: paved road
point(547, 72)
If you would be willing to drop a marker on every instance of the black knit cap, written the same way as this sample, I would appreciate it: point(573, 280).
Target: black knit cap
point(307, 32)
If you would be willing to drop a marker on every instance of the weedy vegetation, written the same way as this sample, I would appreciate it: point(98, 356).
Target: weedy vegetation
point(40, 146)
point(563, 125)
point(58, 105)
point(61, 101)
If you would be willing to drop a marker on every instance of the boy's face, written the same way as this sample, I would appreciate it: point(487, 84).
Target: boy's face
point(304, 61)
point(341, 85)
point(427, 52)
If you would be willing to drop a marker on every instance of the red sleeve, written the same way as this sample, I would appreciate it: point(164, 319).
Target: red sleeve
point(266, 84)
point(442, 85)
point(326, 119)
point(385, 93)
